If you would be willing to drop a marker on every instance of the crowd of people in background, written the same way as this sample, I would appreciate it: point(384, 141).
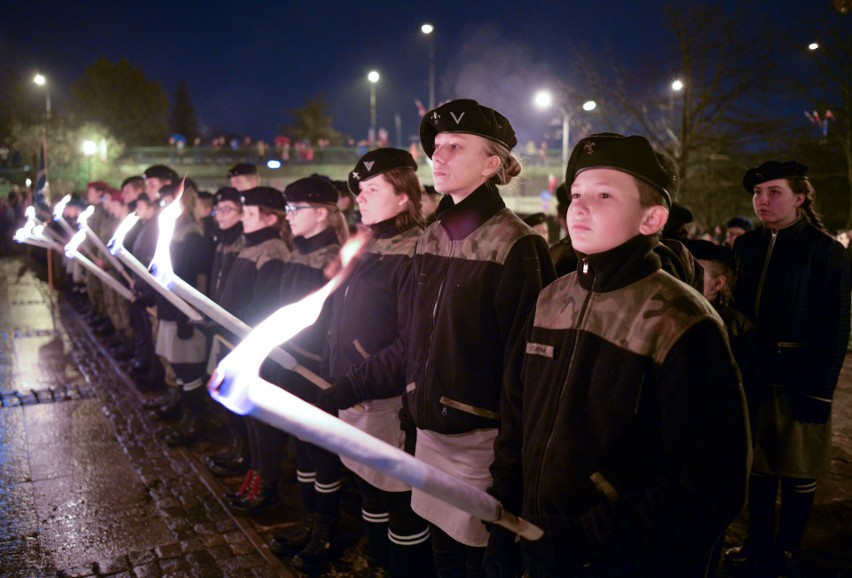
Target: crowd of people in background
point(624, 388)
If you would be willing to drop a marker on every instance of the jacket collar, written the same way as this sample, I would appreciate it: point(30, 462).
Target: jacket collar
point(462, 219)
point(228, 236)
point(258, 237)
point(618, 267)
point(322, 239)
point(385, 229)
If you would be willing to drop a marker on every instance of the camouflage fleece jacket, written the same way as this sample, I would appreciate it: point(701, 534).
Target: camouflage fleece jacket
point(623, 431)
point(369, 315)
point(477, 272)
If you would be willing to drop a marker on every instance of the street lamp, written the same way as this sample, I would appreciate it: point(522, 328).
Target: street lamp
point(544, 100)
point(428, 29)
point(813, 46)
point(40, 80)
point(677, 86)
point(373, 77)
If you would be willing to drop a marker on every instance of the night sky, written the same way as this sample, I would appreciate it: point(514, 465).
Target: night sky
point(246, 63)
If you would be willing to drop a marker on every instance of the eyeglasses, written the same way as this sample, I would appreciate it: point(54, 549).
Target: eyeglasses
point(297, 208)
point(226, 210)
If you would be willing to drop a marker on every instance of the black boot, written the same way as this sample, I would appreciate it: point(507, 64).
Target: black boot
point(260, 497)
point(754, 555)
point(230, 461)
point(322, 547)
point(289, 541)
point(191, 425)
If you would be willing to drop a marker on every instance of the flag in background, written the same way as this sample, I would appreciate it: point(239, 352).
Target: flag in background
point(42, 187)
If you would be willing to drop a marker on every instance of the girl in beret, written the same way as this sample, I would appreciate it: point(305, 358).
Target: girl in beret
point(178, 342)
point(365, 350)
point(476, 274)
point(319, 230)
point(250, 292)
point(794, 286)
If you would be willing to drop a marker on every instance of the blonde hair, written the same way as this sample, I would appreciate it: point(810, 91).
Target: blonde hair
point(510, 165)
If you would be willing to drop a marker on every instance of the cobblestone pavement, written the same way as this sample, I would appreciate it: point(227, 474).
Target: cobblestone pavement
point(87, 487)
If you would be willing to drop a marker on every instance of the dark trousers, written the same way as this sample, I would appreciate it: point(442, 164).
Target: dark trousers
point(454, 559)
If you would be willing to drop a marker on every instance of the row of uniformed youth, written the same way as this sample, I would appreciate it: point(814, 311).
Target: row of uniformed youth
point(604, 406)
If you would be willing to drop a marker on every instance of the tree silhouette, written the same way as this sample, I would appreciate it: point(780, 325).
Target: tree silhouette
point(120, 97)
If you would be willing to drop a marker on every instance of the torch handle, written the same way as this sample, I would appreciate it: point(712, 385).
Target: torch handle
point(140, 270)
point(109, 256)
point(102, 275)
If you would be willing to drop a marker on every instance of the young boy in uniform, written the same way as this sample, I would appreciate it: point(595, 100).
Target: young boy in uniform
point(623, 428)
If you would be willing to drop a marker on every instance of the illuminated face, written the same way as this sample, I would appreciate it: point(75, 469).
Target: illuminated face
point(244, 182)
point(460, 165)
point(145, 211)
point(228, 214)
point(130, 193)
point(379, 201)
point(93, 196)
point(776, 204)
point(253, 220)
point(605, 211)
point(306, 220)
point(153, 186)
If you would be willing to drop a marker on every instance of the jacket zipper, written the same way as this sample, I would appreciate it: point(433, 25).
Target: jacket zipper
point(565, 383)
point(344, 308)
point(763, 274)
point(432, 328)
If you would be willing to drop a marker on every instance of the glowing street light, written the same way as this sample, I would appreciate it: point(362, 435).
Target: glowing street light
point(40, 80)
point(544, 100)
point(428, 29)
point(373, 77)
point(677, 86)
point(813, 46)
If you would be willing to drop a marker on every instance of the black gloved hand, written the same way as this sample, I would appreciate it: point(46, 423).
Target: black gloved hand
point(184, 328)
point(809, 409)
point(341, 395)
point(503, 558)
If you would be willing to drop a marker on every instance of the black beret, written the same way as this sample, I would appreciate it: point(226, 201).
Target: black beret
point(268, 197)
point(680, 215)
point(161, 172)
point(466, 116)
point(228, 194)
point(317, 190)
point(562, 196)
point(772, 170)
point(741, 222)
point(242, 169)
point(629, 154)
point(709, 251)
point(379, 161)
point(535, 219)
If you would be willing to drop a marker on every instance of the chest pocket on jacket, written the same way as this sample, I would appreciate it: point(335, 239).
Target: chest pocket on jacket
point(622, 388)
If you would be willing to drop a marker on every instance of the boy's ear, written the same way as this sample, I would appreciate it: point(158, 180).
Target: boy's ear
point(654, 221)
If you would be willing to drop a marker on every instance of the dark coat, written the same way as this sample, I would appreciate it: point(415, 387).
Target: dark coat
point(623, 430)
point(478, 270)
point(794, 286)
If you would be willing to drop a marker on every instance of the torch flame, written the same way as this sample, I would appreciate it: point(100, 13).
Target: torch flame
point(243, 363)
point(29, 213)
point(83, 219)
point(26, 231)
point(124, 226)
point(60, 207)
point(162, 262)
point(74, 243)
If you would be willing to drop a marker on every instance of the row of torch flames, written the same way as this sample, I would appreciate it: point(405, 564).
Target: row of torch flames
point(236, 383)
